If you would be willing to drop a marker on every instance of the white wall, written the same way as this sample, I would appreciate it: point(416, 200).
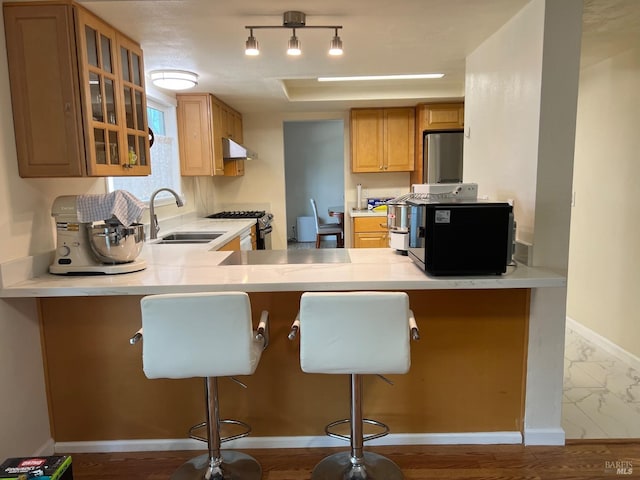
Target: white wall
point(520, 108)
point(604, 259)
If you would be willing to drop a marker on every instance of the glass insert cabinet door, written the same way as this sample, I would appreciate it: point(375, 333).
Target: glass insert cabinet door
point(116, 132)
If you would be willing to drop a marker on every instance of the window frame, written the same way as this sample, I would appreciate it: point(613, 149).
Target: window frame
point(168, 106)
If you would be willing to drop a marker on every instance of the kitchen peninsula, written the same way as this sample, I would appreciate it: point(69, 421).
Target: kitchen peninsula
point(468, 373)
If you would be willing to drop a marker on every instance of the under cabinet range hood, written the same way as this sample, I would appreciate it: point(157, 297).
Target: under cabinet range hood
point(234, 151)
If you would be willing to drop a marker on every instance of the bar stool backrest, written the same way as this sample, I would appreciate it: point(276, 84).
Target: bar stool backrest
point(198, 335)
point(354, 332)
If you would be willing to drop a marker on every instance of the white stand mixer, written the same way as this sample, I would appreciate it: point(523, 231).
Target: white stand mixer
point(93, 248)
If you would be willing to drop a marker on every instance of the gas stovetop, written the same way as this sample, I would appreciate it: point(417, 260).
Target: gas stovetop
point(239, 214)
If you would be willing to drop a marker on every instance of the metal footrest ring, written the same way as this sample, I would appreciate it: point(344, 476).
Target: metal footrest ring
point(226, 421)
point(365, 438)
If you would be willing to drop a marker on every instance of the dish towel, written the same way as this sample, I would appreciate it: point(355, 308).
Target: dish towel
point(120, 204)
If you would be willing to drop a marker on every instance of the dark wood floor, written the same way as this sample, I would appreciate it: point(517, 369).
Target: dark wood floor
point(575, 461)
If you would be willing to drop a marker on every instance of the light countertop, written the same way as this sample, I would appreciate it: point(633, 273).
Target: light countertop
point(197, 267)
point(354, 212)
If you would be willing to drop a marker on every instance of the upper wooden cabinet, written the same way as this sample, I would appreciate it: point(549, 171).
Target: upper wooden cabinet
point(382, 139)
point(78, 94)
point(203, 121)
point(439, 116)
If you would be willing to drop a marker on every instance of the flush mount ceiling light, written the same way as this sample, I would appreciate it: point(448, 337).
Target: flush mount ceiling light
point(174, 79)
point(293, 20)
point(416, 76)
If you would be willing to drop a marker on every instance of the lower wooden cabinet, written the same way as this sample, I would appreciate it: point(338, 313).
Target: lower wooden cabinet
point(254, 238)
point(231, 246)
point(370, 232)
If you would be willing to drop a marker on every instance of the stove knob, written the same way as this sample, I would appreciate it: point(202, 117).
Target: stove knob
point(64, 251)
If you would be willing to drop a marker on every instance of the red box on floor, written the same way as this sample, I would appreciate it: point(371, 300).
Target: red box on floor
point(57, 467)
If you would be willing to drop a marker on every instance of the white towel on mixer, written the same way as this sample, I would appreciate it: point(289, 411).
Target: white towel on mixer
point(120, 204)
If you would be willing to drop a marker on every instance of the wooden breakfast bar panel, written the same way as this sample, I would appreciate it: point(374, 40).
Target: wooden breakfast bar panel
point(467, 372)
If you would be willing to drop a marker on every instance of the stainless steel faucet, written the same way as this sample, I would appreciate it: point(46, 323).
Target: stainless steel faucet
point(155, 228)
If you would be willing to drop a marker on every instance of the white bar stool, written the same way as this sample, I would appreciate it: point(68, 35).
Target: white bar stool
point(355, 333)
point(206, 335)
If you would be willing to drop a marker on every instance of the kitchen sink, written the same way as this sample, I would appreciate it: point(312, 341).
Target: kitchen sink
point(189, 237)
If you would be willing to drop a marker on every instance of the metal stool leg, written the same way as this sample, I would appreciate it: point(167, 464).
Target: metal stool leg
point(214, 465)
point(357, 464)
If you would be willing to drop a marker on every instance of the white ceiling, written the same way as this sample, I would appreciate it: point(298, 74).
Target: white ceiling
point(379, 36)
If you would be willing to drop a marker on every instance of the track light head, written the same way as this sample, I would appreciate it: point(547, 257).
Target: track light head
point(251, 47)
point(294, 45)
point(335, 48)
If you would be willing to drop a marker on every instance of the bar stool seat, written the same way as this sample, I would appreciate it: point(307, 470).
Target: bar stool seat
point(355, 333)
point(207, 335)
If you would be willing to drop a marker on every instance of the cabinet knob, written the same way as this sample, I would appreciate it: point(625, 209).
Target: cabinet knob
point(380, 167)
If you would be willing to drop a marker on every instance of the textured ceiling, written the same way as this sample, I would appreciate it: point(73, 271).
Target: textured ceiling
point(380, 37)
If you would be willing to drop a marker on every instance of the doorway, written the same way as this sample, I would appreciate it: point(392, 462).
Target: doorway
point(314, 168)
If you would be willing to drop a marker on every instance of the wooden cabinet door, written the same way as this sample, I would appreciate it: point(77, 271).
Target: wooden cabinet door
point(238, 134)
point(231, 246)
point(370, 240)
point(232, 127)
point(44, 90)
point(370, 232)
point(68, 94)
point(134, 106)
point(399, 139)
point(442, 116)
point(195, 134)
point(203, 121)
point(367, 140)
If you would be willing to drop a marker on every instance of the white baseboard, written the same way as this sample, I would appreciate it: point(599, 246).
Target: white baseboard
point(604, 343)
point(544, 436)
point(46, 449)
point(476, 438)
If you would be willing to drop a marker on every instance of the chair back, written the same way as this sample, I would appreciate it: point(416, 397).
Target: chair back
point(198, 335)
point(354, 332)
point(314, 207)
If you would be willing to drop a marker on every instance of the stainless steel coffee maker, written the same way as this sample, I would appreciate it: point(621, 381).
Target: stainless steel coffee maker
point(94, 248)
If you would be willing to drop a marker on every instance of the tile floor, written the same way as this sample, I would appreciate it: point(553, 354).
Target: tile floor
point(601, 392)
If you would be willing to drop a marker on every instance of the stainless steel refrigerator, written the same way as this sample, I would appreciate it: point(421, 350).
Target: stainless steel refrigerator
point(442, 156)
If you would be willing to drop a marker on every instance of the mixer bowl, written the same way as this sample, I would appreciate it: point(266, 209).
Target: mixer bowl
point(115, 243)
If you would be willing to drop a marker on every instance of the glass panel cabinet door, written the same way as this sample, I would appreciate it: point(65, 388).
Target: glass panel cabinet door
point(112, 88)
point(99, 84)
point(135, 106)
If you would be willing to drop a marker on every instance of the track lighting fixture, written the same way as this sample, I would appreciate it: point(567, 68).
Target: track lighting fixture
point(293, 20)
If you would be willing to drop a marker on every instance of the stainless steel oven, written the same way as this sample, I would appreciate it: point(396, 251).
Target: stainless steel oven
point(263, 224)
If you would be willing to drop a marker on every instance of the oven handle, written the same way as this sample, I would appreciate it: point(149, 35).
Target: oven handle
point(264, 231)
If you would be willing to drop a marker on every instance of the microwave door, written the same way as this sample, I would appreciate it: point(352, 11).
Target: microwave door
point(442, 154)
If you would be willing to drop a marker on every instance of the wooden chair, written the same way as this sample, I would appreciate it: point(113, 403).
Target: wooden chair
point(326, 229)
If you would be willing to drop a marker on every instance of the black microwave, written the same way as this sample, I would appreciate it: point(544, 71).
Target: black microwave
point(460, 238)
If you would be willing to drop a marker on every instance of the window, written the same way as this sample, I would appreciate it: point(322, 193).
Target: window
point(165, 165)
